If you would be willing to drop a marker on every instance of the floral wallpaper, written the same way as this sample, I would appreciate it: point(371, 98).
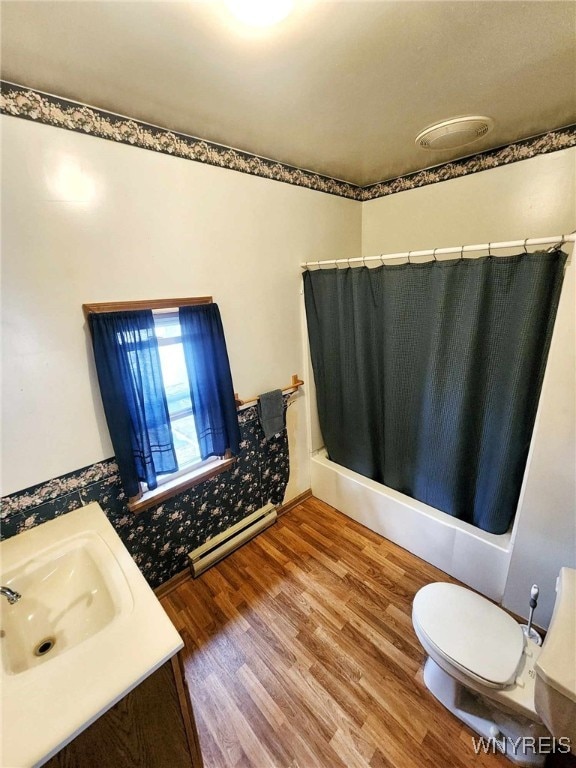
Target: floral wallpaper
point(29, 104)
point(160, 538)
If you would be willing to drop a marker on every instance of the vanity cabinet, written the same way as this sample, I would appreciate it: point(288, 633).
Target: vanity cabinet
point(151, 727)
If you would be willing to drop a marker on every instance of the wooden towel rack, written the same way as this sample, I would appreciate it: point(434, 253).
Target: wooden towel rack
point(293, 387)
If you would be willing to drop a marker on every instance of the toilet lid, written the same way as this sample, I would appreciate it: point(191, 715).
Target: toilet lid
point(470, 631)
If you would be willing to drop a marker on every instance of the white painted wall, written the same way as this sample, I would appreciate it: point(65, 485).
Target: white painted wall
point(157, 227)
point(533, 198)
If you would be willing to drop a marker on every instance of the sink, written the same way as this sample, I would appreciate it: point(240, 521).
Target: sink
point(86, 631)
point(70, 592)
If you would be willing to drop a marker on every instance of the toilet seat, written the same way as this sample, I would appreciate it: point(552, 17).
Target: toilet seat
point(468, 632)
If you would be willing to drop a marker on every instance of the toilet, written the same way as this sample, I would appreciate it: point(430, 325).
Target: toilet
point(480, 666)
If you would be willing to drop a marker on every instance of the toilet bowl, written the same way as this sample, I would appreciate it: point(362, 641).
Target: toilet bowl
point(517, 695)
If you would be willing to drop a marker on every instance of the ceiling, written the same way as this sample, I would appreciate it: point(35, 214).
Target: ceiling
point(339, 88)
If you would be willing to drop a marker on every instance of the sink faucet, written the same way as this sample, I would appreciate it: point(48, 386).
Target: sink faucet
point(10, 595)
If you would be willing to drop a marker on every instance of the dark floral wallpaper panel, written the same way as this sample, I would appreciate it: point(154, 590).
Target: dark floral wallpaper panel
point(160, 538)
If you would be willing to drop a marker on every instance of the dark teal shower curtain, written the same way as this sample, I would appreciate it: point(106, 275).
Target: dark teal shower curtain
point(428, 375)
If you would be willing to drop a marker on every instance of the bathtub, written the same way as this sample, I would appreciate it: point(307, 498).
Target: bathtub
point(473, 556)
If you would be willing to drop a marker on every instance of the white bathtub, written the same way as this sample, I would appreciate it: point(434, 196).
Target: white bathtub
point(471, 555)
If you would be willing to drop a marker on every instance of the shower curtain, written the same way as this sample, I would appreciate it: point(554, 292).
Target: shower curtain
point(428, 375)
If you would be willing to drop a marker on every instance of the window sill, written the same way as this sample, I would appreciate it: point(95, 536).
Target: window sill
point(178, 485)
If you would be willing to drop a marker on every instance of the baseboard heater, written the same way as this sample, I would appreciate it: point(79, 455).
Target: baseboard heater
point(226, 542)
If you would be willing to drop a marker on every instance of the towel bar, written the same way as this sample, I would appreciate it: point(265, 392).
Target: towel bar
point(293, 387)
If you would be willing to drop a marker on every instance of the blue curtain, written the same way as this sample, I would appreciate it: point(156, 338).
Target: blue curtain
point(130, 377)
point(211, 389)
point(428, 375)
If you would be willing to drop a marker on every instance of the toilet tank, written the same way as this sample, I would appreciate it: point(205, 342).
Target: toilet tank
point(555, 684)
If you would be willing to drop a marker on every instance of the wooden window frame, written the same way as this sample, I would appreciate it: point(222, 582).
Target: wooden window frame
point(126, 306)
point(147, 499)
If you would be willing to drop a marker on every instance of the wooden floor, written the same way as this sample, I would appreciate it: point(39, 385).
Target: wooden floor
point(301, 653)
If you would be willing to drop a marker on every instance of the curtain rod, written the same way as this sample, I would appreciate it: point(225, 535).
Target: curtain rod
point(461, 249)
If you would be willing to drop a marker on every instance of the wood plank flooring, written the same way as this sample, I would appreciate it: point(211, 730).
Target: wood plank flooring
point(301, 653)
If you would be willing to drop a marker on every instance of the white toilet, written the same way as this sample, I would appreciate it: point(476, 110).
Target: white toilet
point(504, 686)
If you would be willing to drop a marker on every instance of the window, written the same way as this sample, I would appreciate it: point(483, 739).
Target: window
point(167, 393)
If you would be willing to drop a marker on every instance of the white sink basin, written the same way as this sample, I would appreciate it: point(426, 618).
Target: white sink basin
point(82, 592)
point(69, 593)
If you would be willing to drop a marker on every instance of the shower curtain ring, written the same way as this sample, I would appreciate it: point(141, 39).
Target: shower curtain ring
point(434, 254)
point(489, 249)
point(461, 253)
point(557, 246)
point(348, 261)
point(382, 259)
point(364, 260)
point(409, 252)
point(525, 249)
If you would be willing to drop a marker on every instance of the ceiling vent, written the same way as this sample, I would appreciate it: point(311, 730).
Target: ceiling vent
point(458, 132)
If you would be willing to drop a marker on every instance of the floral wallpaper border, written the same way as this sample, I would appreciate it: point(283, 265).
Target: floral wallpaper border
point(23, 501)
point(27, 103)
point(553, 141)
point(160, 538)
point(24, 102)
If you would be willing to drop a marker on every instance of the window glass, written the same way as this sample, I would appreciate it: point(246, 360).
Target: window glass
point(177, 389)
